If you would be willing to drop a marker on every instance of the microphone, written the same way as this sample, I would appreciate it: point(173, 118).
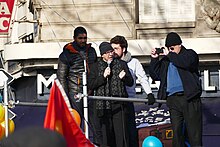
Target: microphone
point(109, 62)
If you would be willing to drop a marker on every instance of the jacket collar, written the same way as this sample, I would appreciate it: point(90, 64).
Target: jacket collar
point(127, 57)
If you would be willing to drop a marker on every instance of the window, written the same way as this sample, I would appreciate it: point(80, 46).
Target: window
point(164, 11)
point(28, 38)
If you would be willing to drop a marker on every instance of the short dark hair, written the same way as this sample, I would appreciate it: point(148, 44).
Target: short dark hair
point(79, 30)
point(120, 40)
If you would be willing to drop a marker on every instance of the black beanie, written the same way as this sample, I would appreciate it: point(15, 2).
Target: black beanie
point(173, 39)
point(104, 47)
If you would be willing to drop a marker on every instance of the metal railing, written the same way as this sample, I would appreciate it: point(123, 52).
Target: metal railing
point(143, 100)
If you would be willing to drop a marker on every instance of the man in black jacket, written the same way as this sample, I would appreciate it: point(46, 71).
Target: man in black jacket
point(71, 65)
point(178, 74)
point(120, 45)
point(108, 77)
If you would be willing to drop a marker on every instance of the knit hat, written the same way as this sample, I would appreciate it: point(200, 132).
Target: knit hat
point(104, 47)
point(173, 39)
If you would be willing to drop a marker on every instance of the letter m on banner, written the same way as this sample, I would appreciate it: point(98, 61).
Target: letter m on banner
point(6, 7)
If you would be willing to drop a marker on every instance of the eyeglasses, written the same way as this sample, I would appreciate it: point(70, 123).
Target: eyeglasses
point(171, 48)
point(82, 38)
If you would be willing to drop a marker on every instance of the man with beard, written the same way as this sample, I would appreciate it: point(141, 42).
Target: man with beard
point(120, 45)
point(71, 65)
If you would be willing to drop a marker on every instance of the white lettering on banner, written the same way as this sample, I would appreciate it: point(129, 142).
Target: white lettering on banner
point(2, 22)
point(206, 82)
point(206, 79)
point(41, 80)
point(4, 10)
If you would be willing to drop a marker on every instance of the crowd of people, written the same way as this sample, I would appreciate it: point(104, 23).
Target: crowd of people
point(114, 74)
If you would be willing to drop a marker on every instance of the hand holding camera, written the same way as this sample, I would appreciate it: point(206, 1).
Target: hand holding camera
point(155, 52)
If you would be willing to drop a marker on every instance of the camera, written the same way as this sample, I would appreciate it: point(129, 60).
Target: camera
point(159, 50)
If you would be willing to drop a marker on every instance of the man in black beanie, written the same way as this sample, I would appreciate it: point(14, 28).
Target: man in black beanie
point(178, 74)
point(108, 77)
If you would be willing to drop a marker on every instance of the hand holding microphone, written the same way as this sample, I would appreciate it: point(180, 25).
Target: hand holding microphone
point(107, 71)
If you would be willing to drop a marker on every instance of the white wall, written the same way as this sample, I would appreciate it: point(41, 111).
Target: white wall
point(136, 47)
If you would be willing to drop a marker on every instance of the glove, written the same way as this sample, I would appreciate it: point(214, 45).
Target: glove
point(151, 99)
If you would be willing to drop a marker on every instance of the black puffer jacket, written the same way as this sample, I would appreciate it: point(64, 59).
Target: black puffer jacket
point(71, 66)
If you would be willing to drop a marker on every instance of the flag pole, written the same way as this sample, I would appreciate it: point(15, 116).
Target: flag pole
point(85, 101)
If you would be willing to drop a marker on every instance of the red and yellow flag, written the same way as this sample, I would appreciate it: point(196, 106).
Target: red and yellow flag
point(59, 118)
point(5, 15)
